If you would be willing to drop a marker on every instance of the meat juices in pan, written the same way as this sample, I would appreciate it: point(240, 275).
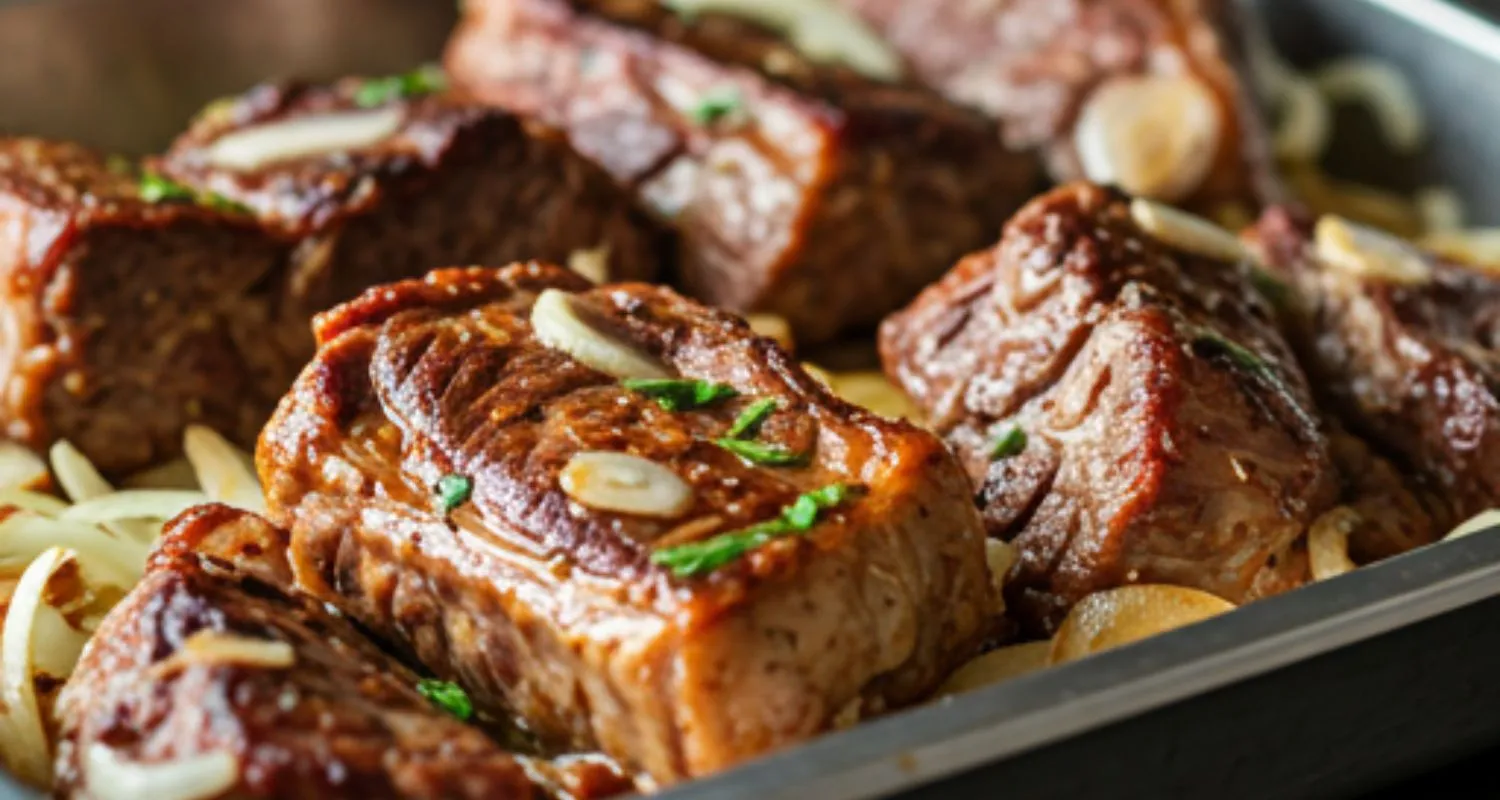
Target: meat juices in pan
point(126, 320)
point(1124, 398)
point(213, 670)
point(811, 190)
point(377, 186)
point(685, 577)
point(1402, 347)
point(1152, 95)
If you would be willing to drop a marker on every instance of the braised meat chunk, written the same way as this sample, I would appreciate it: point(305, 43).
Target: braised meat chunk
point(130, 312)
point(1401, 345)
point(384, 179)
point(622, 516)
point(1125, 398)
point(805, 177)
point(1152, 95)
point(212, 679)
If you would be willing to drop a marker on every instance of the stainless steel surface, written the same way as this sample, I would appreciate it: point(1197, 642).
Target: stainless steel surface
point(123, 75)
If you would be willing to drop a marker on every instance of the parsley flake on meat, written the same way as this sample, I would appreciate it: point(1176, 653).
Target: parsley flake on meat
point(379, 91)
point(750, 420)
point(448, 696)
point(156, 188)
point(717, 105)
point(765, 454)
point(700, 558)
point(453, 491)
point(681, 395)
point(1011, 442)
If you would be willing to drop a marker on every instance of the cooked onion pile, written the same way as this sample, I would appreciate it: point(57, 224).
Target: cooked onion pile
point(65, 563)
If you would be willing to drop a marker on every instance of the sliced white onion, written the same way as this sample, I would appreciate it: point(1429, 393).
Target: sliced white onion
point(175, 474)
point(1187, 232)
point(591, 263)
point(1368, 253)
point(82, 481)
point(76, 474)
point(1328, 543)
point(104, 557)
point(1383, 89)
point(1152, 135)
point(1442, 210)
point(23, 739)
point(252, 148)
point(224, 471)
point(110, 777)
point(20, 468)
point(1479, 247)
point(44, 504)
point(1306, 122)
point(819, 29)
point(210, 647)
point(999, 557)
point(626, 484)
point(557, 325)
point(1484, 520)
point(130, 504)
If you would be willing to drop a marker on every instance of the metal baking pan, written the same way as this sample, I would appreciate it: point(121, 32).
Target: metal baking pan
point(1339, 687)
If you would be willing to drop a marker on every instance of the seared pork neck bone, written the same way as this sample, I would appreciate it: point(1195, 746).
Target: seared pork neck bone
point(214, 678)
point(1110, 377)
point(1156, 96)
point(1402, 347)
point(687, 572)
point(824, 191)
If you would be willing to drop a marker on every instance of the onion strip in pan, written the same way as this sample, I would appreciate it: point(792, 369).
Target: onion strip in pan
point(107, 534)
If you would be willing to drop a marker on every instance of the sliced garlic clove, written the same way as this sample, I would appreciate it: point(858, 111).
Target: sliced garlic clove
point(1484, 521)
point(591, 263)
point(773, 327)
point(1152, 135)
point(189, 777)
point(819, 29)
point(1187, 232)
point(299, 137)
point(558, 325)
point(625, 484)
point(20, 468)
point(997, 666)
point(1116, 617)
point(1368, 253)
point(1328, 543)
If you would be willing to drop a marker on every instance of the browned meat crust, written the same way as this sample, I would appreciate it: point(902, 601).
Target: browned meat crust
point(554, 609)
point(456, 183)
point(815, 193)
point(343, 720)
point(1412, 369)
point(1168, 432)
point(126, 320)
point(1033, 64)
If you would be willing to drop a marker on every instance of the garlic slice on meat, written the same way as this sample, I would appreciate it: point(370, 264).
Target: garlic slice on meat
point(20, 468)
point(558, 325)
point(1153, 135)
point(625, 484)
point(1188, 232)
point(1483, 521)
point(314, 134)
point(591, 263)
point(110, 777)
point(1368, 253)
point(819, 29)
